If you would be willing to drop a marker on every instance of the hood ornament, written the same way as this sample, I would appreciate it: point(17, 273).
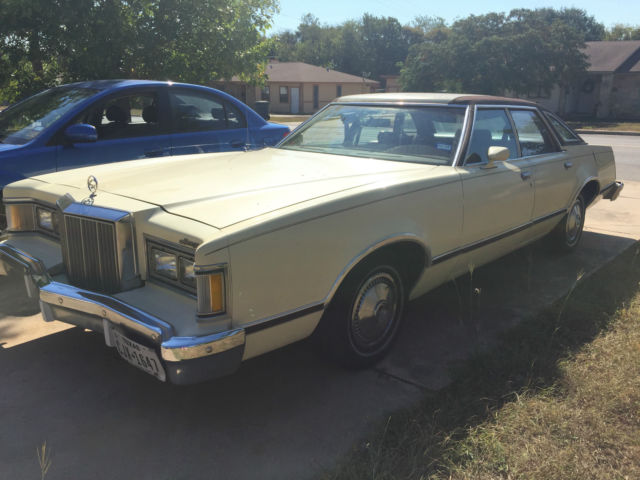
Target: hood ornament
point(92, 185)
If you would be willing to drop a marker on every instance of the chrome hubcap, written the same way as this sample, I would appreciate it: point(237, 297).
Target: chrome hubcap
point(374, 312)
point(574, 223)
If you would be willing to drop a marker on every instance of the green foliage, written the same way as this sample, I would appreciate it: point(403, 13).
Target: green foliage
point(370, 46)
point(623, 32)
point(524, 51)
point(184, 40)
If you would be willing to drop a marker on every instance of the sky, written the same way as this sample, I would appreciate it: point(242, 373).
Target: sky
point(333, 12)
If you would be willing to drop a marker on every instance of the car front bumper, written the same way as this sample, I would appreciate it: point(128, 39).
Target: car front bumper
point(185, 360)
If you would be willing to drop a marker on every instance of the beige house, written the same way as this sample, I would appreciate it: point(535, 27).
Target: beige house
point(609, 89)
point(298, 88)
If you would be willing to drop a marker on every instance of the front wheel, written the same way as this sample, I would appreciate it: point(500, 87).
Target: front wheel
point(568, 233)
point(363, 319)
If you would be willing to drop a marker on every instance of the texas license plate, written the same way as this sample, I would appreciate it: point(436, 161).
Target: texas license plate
point(139, 356)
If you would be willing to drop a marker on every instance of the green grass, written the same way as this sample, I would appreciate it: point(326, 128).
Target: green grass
point(557, 398)
point(609, 126)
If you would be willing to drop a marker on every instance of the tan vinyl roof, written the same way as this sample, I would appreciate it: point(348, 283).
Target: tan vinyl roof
point(613, 56)
point(445, 98)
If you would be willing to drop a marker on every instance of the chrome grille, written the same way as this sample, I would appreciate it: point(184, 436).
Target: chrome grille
point(91, 255)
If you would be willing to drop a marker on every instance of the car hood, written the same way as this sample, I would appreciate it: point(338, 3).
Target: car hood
point(223, 189)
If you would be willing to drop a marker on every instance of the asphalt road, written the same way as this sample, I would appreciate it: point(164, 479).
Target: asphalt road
point(626, 149)
point(285, 415)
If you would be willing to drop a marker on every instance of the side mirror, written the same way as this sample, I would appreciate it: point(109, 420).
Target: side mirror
point(81, 133)
point(497, 154)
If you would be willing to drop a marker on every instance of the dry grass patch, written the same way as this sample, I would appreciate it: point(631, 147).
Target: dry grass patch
point(557, 398)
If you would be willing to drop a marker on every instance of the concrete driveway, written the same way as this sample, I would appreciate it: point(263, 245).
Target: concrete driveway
point(285, 415)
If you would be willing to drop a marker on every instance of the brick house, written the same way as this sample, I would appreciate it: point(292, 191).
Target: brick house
point(298, 88)
point(610, 89)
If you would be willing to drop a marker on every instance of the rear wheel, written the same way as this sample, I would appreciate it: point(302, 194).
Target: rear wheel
point(364, 317)
point(568, 233)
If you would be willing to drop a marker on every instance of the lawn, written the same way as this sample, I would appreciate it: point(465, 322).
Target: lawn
point(557, 398)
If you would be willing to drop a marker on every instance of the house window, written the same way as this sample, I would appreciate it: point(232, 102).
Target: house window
point(338, 90)
point(316, 96)
point(284, 94)
point(265, 94)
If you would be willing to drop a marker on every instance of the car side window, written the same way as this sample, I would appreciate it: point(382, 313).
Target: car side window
point(565, 134)
point(198, 112)
point(125, 116)
point(533, 135)
point(491, 128)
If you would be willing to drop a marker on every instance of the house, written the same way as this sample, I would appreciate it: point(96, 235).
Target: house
point(298, 88)
point(610, 89)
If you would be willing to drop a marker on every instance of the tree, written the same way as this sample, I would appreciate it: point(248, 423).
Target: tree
point(524, 51)
point(623, 32)
point(187, 40)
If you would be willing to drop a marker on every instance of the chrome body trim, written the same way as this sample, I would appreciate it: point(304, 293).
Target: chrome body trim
point(106, 307)
point(187, 348)
point(121, 256)
point(481, 243)
point(34, 271)
point(281, 318)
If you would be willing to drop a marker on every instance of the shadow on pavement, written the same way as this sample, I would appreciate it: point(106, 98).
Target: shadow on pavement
point(284, 415)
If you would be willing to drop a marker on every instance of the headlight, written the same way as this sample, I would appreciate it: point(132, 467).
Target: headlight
point(30, 217)
point(175, 266)
point(45, 219)
point(20, 217)
point(187, 273)
point(171, 265)
point(164, 264)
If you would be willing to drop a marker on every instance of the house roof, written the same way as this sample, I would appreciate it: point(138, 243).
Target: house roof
point(613, 56)
point(304, 73)
point(299, 72)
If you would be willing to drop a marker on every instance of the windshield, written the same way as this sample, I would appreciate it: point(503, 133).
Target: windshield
point(28, 119)
point(428, 134)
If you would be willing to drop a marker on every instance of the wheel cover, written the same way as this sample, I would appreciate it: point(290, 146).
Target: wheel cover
point(375, 312)
point(574, 223)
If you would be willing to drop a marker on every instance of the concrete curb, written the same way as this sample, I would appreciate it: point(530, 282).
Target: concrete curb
point(606, 132)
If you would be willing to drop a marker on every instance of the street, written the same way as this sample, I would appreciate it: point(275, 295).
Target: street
point(285, 415)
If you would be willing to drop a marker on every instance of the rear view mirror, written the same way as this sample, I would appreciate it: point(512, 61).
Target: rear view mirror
point(81, 133)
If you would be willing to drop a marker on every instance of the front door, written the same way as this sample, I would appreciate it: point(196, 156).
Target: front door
point(295, 99)
point(130, 126)
point(498, 197)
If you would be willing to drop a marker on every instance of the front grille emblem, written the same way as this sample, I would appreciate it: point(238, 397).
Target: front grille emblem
point(92, 185)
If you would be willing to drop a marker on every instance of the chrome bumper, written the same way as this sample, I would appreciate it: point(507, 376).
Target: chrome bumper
point(612, 191)
point(186, 359)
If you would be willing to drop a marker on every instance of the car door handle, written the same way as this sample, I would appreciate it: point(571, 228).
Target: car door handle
point(525, 175)
point(568, 165)
point(153, 153)
point(237, 143)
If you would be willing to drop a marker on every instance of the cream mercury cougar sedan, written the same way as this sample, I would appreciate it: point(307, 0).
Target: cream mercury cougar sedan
point(190, 265)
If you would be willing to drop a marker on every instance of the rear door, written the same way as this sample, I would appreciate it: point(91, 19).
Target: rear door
point(203, 122)
point(554, 171)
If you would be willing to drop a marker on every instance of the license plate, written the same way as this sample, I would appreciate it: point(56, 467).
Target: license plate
point(139, 356)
